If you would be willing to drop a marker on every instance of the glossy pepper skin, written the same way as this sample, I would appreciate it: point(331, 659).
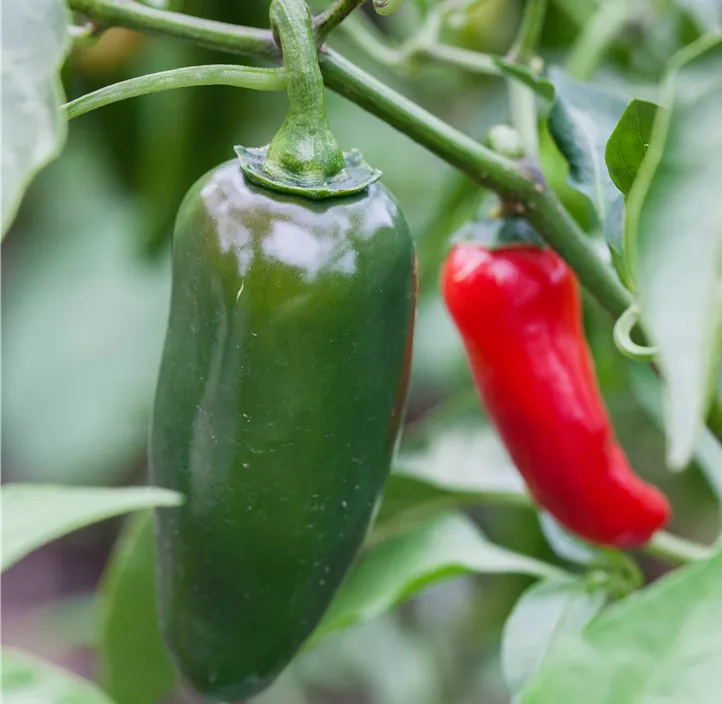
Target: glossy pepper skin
point(519, 313)
point(279, 401)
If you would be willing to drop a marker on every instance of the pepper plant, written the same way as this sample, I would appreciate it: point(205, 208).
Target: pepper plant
point(284, 376)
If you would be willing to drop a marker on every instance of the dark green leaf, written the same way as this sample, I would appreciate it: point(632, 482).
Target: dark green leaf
point(35, 514)
point(134, 663)
point(629, 142)
point(662, 645)
point(27, 680)
point(540, 85)
point(545, 614)
point(674, 230)
point(397, 568)
point(581, 121)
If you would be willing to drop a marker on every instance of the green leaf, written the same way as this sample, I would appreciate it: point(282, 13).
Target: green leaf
point(540, 85)
point(83, 323)
point(545, 614)
point(580, 122)
point(466, 459)
point(134, 663)
point(629, 142)
point(461, 467)
point(34, 44)
point(579, 11)
point(661, 645)
point(35, 514)
point(708, 450)
point(707, 14)
point(27, 680)
point(674, 231)
point(396, 569)
point(568, 546)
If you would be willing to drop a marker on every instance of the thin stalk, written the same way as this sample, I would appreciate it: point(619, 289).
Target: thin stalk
point(330, 18)
point(595, 39)
point(532, 21)
point(362, 32)
point(675, 550)
point(235, 39)
point(472, 61)
point(228, 75)
point(522, 108)
point(522, 101)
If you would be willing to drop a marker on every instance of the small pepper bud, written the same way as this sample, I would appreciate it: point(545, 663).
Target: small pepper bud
point(506, 141)
point(386, 7)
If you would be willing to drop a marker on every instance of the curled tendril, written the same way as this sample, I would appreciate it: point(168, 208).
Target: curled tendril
point(386, 7)
point(623, 337)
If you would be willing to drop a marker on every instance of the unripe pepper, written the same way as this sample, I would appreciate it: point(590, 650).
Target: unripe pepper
point(280, 398)
point(519, 313)
point(281, 390)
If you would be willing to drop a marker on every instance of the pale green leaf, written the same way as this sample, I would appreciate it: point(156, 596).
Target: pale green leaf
point(708, 449)
point(674, 231)
point(34, 43)
point(83, 323)
point(568, 546)
point(396, 569)
point(545, 614)
point(27, 680)
point(661, 645)
point(707, 14)
point(460, 467)
point(35, 514)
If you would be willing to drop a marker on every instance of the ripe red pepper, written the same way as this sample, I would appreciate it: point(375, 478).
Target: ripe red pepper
point(518, 311)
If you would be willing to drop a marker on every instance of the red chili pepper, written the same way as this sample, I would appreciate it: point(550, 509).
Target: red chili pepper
point(519, 313)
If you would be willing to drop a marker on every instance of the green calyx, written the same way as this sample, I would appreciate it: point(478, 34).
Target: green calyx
point(303, 157)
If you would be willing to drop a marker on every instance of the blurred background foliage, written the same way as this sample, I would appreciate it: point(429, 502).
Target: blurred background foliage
point(85, 289)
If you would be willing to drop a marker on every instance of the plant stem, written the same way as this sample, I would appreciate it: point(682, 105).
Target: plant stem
point(304, 149)
point(522, 101)
point(678, 551)
point(532, 21)
point(472, 61)
point(330, 18)
point(248, 41)
point(367, 36)
point(229, 75)
point(515, 183)
point(522, 109)
point(595, 39)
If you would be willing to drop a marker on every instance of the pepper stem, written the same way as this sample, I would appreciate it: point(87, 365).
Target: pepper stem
point(304, 156)
point(304, 147)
